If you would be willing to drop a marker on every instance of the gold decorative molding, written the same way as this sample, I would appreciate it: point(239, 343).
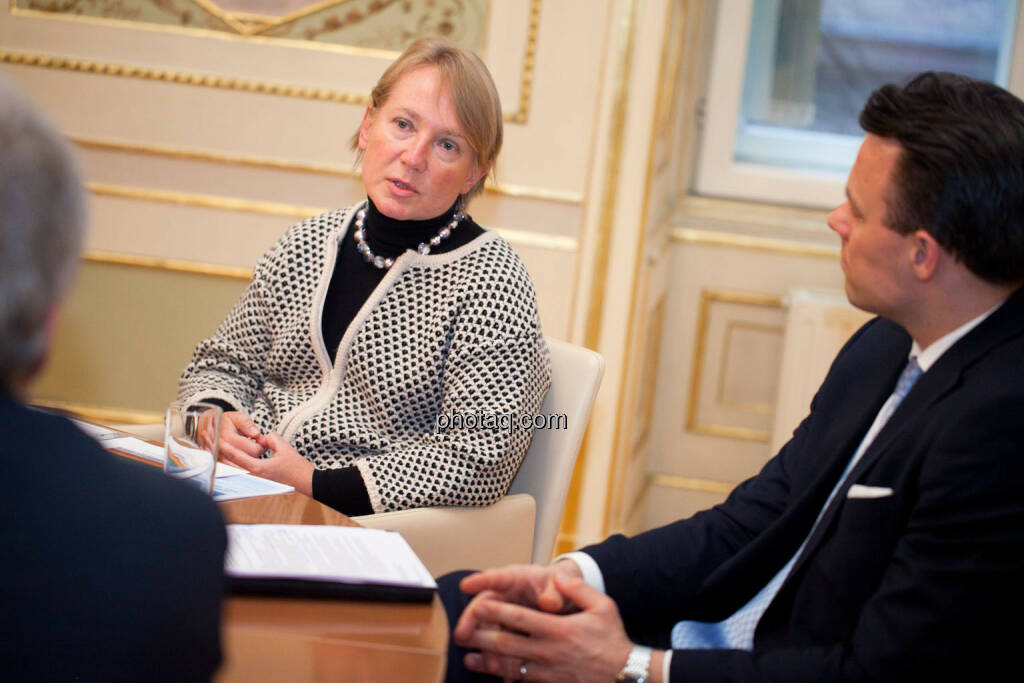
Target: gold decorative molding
point(271, 163)
point(692, 208)
point(172, 265)
point(673, 481)
point(665, 115)
point(617, 128)
point(182, 78)
point(190, 154)
point(594, 311)
point(248, 24)
point(522, 238)
point(707, 297)
point(519, 116)
point(204, 33)
point(100, 414)
point(731, 432)
point(526, 192)
point(237, 24)
point(204, 201)
point(624, 423)
point(649, 372)
point(727, 240)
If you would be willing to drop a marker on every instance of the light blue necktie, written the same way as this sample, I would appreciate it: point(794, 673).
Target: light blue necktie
point(737, 631)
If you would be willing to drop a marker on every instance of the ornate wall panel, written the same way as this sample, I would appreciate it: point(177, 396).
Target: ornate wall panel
point(206, 127)
point(735, 365)
point(380, 24)
point(124, 357)
point(721, 353)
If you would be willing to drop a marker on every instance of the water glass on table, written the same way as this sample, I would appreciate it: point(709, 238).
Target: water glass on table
point(191, 439)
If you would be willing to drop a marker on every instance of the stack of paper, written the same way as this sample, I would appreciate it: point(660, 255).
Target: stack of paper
point(325, 561)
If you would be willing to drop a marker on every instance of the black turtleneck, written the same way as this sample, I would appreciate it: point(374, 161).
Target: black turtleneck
point(352, 283)
point(354, 279)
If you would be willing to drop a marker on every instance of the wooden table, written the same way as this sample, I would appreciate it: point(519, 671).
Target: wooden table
point(297, 640)
point(280, 639)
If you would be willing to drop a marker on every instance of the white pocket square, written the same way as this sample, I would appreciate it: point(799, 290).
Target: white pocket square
point(861, 491)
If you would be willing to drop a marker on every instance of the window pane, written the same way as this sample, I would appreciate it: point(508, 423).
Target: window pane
point(811, 64)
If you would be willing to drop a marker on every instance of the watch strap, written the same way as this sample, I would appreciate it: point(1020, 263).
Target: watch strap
point(638, 666)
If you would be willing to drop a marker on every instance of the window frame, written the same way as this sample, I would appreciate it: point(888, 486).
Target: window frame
point(719, 174)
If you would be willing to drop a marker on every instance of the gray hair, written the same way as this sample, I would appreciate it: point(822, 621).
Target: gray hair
point(42, 223)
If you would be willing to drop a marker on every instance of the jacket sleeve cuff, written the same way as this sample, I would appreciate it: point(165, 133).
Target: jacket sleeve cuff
point(221, 403)
point(343, 489)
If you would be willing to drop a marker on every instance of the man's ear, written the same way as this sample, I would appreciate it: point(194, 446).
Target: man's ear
point(925, 254)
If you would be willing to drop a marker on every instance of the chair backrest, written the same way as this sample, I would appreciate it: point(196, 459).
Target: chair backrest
point(547, 469)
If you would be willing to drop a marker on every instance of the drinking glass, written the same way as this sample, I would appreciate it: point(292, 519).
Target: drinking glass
point(191, 438)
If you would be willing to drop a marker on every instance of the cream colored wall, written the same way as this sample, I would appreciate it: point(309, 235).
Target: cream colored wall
point(200, 150)
point(719, 370)
point(204, 148)
point(699, 404)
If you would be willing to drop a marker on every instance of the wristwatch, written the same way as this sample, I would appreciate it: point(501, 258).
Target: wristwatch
point(638, 666)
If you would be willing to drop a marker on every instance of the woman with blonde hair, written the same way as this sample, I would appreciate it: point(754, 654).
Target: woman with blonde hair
point(365, 330)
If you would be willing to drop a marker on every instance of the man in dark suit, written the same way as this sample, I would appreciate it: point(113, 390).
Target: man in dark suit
point(885, 541)
point(111, 571)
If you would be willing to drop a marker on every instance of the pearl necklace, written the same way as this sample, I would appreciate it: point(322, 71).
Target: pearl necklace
point(384, 263)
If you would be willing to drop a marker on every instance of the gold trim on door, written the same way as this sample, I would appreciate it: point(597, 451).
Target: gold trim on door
point(714, 238)
point(707, 296)
point(673, 481)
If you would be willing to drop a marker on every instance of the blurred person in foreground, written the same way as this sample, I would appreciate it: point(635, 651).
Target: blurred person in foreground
point(369, 334)
point(885, 540)
point(111, 570)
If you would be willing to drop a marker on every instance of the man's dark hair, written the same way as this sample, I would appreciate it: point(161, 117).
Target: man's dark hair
point(961, 172)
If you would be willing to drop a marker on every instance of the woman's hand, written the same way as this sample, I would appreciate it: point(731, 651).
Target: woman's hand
point(238, 434)
point(285, 466)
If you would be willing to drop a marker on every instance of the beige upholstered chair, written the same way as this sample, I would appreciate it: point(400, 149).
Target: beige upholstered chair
point(521, 527)
point(547, 469)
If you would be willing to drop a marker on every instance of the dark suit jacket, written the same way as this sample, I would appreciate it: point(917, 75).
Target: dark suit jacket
point(111, 571)
point(911, 586)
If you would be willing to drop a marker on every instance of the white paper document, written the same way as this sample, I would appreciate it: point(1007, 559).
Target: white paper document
point(97, 432)
point(144, 449)
point(246, 486)
point(351, 555)
point(136, 446)
point(231, 482)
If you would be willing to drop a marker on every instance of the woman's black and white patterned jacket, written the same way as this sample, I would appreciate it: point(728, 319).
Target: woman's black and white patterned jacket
point(453, 335)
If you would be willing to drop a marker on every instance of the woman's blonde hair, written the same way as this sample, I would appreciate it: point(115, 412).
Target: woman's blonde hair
point(477, 105)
